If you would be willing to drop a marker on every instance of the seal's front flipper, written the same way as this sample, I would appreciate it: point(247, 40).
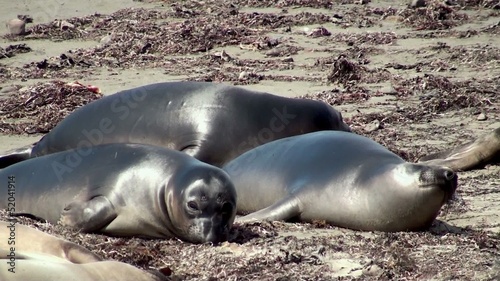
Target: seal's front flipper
point(89, 216)
point(480, 152)
point(16, 155)
point(283, 210)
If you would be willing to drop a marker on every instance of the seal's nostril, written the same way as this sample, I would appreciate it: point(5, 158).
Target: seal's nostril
point(449, 175)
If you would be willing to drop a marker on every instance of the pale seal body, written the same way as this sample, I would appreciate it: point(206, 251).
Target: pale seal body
point(125, 190)
point(28, 254)
point(484, 150)
point(344, 179)
point(23, 238)
point(211, 122)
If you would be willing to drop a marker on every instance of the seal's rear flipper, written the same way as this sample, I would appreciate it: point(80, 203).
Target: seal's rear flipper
point(283, 210)
point(484, 150)
point(89, 216)
point(17, 155)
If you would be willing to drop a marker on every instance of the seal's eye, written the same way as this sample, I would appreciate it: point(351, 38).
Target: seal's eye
point(193, 206)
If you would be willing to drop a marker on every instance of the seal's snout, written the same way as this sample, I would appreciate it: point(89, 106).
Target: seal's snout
point(441, 177)
point(450, 179)
point(212, 231)
point(449, 175)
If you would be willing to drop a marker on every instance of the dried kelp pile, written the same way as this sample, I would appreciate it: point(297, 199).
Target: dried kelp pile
point(339, 97)
point(12, 50)
point(439, 94)
point(326, 4)
point(143, 37)
point(427, 97)
point(357, 39)
point(492, 4)
point(372, 60)
point(347, 72)
point(435, 15)
point(40, 107)
point(264, 251)
point(135, 37)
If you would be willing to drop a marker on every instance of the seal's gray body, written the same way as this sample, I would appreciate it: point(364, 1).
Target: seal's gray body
point(125, 189)
point(212, 122)
point(341, 178)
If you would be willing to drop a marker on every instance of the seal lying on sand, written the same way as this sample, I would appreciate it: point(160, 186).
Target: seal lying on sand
point(482, 151)
point(37, 256)
point(211, 122)
point(27, 239)
point(342, 178)
point(125, 190)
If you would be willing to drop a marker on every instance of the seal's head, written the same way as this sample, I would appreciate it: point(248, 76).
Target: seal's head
point(201, 204)
point(409, 196)
point(329, 119)
point(436, 178)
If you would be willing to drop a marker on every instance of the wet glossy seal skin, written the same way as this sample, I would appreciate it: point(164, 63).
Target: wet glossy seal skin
point(37, 256)
point(484, 150)
point(212, 122)
point(344, 179)
point(126, 190)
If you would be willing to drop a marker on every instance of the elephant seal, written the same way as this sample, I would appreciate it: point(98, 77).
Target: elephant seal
point(468, 156)
point(341, 178)
point(28, 254)
point(125, 190)
point(27, 239)
point(211, 122)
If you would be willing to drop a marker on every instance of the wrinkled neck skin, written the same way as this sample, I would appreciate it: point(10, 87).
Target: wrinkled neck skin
point(165, 199)
point(169, 206)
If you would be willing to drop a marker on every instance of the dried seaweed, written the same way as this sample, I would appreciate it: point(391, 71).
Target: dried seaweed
point(435, 15)
point(357, 39)
point(338, 97)
point(179, 40)
point(42, 106)
point(265, 251)
point(11, 50)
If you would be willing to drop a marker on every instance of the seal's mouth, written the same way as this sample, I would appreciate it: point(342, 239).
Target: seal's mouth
point(204, 231)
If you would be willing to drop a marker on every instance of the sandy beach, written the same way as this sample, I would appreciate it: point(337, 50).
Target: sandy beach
point(416, 80)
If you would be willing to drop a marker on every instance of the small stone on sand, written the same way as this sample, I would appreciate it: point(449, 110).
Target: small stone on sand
point(16, 27)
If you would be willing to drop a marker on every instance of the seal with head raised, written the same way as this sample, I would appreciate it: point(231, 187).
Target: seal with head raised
point(28, 254)
point(125, 190)
point(211, 122)
point(344, 179)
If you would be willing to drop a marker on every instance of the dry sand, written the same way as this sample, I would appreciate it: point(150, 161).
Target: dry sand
point(463, 244)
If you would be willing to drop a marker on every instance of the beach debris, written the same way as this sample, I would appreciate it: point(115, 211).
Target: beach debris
point(482, 117)
point(40, 107)
point(18, 26)
point(319, 32)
